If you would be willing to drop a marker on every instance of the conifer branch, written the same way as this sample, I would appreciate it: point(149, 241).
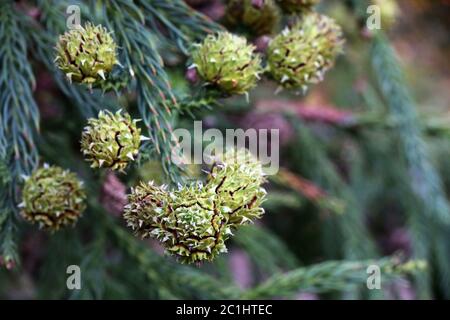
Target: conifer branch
point(326, 277)
point(425, 183)
point(8, 248)
point(155, 99)
point(265, 249)
point(44, 37)
point(177, 23)
point(346, 235)
point(175, 280)
point(321, 170)
point(19, 119)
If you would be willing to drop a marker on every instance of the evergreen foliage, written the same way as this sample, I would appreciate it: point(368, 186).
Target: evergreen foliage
point(341, 169)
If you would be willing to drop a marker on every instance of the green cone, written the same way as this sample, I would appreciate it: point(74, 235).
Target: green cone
point(53, 198)
point(86, 54)
point(301, 56)
point(111, 140)
point(194, 221)
point(227, 62)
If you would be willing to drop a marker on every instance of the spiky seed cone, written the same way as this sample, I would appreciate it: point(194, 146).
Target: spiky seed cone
point(236, 178)
point(186, 221)
point(301, 56)
point(86, 54)
point(297, 6)
point(228, 62)
point(260, 20)
point(53, 198)
point(194, 221)
point(111, 140)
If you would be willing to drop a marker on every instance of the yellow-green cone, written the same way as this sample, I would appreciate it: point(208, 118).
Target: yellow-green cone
point(111, 140)
point(228, 62)
point(53, 198)
point(301, 55)
point(236, 177)
point(86, 54)
point(185, 220)
point(194, 221)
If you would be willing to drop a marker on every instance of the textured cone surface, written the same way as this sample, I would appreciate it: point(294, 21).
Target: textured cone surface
point(236, 177)
point(228, 62)
point(53, 198)
point(301, 55)
point(194, 221)
point(111, 140)
point(86, 54)
point(185, 221)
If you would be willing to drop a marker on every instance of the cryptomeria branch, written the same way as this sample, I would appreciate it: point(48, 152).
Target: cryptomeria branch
point(19, 117)
point(44, 39)
point(325, 277)
point(176, 22)
point(156, 102)
point(173, 279)
point(265, 248)
point(424, 180)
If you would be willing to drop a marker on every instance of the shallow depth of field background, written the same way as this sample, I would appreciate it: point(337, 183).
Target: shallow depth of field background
point(341, 154)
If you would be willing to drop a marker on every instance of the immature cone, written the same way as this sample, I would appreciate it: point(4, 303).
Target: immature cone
point(53, 198)
point(194, 221)
point(297, 6)
point(236, 178)
point(111, 140)
point(86, 54)
point(186, 221)
point(261, 17)
point(227, 62)
point(303, 54)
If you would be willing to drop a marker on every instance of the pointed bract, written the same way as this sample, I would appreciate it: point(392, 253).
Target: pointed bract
point(111, 141)
point(301, 56)
point(53, 198)
point(228, 62)
point(194, 221)
point(86, 54)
